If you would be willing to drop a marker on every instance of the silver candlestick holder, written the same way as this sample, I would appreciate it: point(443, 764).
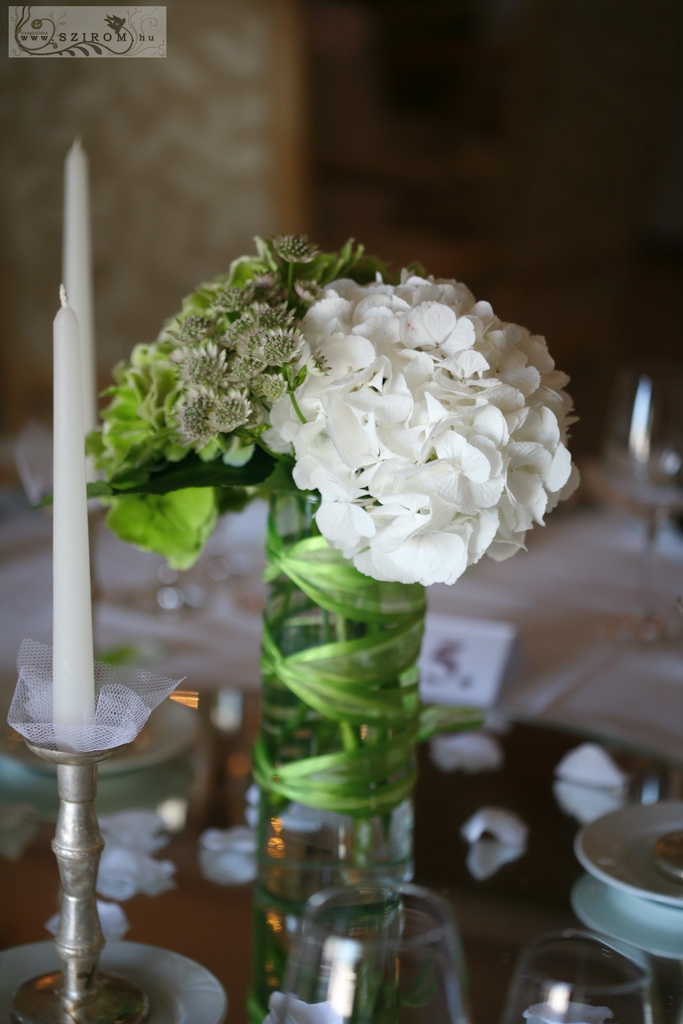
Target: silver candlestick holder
point(79, 993)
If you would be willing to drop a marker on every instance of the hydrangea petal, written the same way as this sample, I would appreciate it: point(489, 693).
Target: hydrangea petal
point(428, 325)
point(557, 473)
point(344, 525)
point(462, 337)
point(427, 558)
point(348, 354)
point(466, 363)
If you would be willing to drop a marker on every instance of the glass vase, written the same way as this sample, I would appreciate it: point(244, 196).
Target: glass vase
point(335, 757)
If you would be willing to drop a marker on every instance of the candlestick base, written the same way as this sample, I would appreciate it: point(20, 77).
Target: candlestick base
point(179, 989)
point(79, 993)
point(114, 1001)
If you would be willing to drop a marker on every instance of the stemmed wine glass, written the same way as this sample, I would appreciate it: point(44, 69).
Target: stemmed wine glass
point(643, 467)
point(373, 954)
point(576, 977)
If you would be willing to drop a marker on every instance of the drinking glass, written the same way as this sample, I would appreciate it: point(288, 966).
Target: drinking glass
point(643, 468)
point(575, 977)
point(373, 953)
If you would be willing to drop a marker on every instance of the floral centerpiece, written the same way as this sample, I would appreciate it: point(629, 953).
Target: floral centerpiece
point(402, 431)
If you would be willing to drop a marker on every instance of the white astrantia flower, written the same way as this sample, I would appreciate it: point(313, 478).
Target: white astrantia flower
point(434, 432)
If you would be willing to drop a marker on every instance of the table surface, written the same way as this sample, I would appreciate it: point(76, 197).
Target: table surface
point(211, 923)
point(569, 680)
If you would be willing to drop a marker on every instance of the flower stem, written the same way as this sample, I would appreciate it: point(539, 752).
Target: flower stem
point(297, 408)
point(348, 735)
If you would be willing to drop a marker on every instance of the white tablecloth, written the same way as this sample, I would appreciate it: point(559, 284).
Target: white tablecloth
point(579, 573)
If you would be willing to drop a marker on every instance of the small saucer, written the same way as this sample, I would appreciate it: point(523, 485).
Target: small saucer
point(656, 928)
point(668, 854)
point(619, 849)
point(180, 991)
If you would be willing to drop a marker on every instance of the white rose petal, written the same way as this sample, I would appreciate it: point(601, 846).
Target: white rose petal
point(298, 1012)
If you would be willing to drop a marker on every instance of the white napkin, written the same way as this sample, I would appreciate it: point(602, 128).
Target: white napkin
point(466, 751)
point(113, 921)
point(588, 783)
point(228, 856)
point(572, 1013)
point(17, 828)
point(299, 1012)
point(496, 836)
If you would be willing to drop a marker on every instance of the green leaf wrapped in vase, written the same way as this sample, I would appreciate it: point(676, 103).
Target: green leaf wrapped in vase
point(335, 758)
point(401, 431)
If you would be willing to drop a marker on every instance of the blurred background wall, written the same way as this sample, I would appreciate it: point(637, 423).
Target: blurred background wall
point(191, 155)
point(532, 148)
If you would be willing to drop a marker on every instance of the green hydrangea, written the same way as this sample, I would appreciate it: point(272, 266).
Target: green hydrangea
point(188, 410)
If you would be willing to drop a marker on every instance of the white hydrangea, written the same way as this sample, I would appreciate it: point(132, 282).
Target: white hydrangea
point(435, 433)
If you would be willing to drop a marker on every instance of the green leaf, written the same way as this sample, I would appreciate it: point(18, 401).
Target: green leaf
point(99, 489)
point(280, 480)
point(174, 525)
point(233, 499)
point(440, 719)
point(193, 472)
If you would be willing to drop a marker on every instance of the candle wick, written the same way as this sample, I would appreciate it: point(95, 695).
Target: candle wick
point(63, 296)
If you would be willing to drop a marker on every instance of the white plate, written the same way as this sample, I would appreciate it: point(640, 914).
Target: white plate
point(617, 849)
point(179, 990)
point(653, 927)
point(170, 729)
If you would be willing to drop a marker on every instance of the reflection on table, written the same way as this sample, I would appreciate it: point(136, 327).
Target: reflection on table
point(210, 922)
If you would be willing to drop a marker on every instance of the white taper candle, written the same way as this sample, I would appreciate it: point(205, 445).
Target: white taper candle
point(77, 271)
point(73, 693)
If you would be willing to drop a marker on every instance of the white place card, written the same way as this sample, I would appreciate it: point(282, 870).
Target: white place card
point(463, 661)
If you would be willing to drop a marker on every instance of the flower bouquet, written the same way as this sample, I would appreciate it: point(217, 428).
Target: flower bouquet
point(401, 431)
